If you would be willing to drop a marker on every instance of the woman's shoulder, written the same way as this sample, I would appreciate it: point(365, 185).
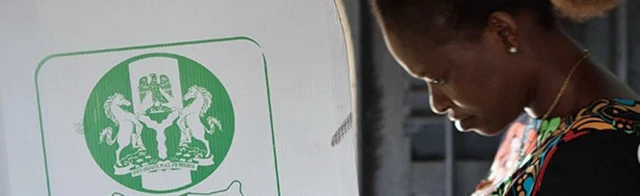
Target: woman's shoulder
point(599, 162)
point(605, 117)
point(603, 125)
point(618, 116)
point(598, 151)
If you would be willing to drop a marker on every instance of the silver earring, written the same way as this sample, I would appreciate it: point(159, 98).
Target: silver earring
point(513, 50)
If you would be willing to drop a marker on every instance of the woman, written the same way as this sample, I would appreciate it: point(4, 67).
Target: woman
point(485, 61)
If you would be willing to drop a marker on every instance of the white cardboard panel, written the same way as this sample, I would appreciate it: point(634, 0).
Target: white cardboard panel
point(265, 83)
point(4, 182)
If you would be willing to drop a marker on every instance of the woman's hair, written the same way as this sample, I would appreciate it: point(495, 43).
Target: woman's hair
point(579, 10)
point(445, 20)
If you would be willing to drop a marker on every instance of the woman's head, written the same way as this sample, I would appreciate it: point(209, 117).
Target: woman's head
point(480, 58)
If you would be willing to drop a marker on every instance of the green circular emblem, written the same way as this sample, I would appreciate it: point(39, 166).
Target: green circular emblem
point(159, 123)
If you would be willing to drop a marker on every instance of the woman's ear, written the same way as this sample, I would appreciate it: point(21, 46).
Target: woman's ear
point(503, 27)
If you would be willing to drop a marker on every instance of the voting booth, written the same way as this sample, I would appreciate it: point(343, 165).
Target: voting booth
point(220, 98)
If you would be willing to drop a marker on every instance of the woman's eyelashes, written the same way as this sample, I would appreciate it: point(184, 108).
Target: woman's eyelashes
point(435, 81)
point(439, 81)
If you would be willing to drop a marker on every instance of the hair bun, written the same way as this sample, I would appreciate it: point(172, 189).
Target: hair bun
point(580, 10)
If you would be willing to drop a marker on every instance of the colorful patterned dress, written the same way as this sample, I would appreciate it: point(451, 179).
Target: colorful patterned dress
point(594, 151)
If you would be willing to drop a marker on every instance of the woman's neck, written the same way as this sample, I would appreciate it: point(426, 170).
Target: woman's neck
point(588, 83)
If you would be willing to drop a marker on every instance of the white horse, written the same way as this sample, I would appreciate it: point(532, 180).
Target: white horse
point(129, 128)
point(189, 120)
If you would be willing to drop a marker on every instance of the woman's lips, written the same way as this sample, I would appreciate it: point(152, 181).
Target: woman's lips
point(458, 118)
point(463, 123)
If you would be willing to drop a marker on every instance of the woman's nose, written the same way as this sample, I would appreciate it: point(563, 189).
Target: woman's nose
point(438, 101)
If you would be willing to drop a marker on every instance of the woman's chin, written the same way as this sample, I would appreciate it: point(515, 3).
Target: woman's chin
point(487, 133)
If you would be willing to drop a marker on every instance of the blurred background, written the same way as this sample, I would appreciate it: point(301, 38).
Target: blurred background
point(406, 150)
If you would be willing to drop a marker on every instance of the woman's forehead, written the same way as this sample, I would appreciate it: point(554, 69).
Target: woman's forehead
point(421, 62)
